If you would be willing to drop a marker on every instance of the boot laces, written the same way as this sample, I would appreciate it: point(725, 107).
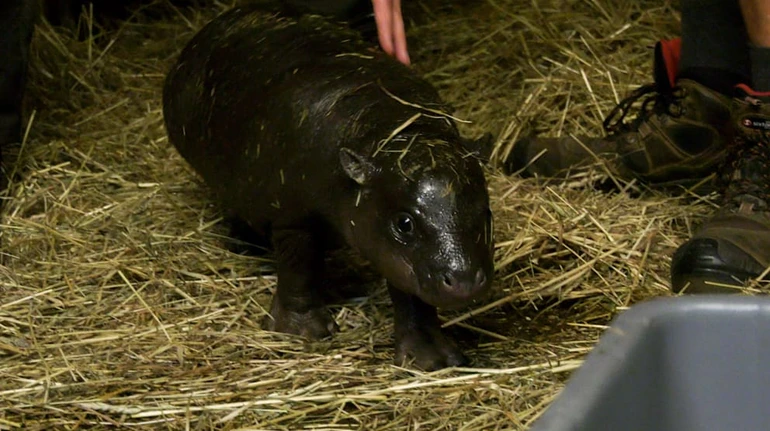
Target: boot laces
point(654, 101)
point(745, 175)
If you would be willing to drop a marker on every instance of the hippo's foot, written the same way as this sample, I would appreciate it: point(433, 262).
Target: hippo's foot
point(297, 307)
point(313, 324)
point(428, 349)
point(419, 339)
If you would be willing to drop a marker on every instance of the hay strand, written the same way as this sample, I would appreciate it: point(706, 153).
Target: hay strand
point(123, 302)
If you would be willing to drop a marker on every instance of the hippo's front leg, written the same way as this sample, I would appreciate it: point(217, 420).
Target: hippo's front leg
point(418, 334)
point(297, 307)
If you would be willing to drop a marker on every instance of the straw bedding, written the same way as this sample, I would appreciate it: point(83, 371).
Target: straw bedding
point(124, 304)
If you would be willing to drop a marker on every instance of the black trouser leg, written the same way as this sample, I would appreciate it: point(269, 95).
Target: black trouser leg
point(344, 9)
point(17, 21)
point(715, 50)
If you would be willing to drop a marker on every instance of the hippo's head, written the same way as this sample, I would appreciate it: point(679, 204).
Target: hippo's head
point(421, 216)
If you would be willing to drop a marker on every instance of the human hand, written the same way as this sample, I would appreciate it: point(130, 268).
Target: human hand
point(390, 28)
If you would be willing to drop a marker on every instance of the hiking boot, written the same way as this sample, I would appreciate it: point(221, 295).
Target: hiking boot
point(676, 137)
point(734, 245)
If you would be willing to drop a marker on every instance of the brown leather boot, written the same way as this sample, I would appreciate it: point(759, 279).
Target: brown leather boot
point(675, 137)
point(734, 246)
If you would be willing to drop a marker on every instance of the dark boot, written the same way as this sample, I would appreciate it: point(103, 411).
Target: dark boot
point(675, 137)
point(734, 245)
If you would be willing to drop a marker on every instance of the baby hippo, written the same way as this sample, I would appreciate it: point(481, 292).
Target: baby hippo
point(317, 140)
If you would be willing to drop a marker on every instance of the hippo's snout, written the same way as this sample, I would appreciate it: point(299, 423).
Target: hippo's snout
point(457, 288)
point(464, 284)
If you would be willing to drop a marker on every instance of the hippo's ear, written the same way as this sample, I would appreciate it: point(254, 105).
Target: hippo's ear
point(358, 167)
point(481, 147)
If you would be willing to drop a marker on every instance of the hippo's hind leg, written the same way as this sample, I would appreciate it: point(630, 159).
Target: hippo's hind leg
point(297, 306)
point(418, 334)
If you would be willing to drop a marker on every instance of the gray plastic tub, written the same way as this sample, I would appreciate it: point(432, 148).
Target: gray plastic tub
point(673, 364)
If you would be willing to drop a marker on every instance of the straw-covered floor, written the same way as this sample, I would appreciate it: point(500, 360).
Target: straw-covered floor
point(123, 303)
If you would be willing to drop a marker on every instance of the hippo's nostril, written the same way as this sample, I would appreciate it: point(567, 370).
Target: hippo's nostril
point(465, 282)
point(481, 278)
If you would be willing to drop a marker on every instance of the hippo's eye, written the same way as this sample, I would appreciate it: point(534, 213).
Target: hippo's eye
point(403, 225)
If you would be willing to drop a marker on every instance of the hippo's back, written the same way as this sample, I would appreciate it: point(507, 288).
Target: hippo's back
point(259, 104)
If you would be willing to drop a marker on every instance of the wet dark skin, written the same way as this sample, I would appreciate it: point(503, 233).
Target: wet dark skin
point(292, 121)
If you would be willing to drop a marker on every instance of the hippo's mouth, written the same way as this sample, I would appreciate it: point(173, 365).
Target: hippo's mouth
point(405, 278)
point(434, 296)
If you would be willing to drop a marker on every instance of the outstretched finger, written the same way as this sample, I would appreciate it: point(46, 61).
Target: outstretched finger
point(399, 34)
point(383, 17)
